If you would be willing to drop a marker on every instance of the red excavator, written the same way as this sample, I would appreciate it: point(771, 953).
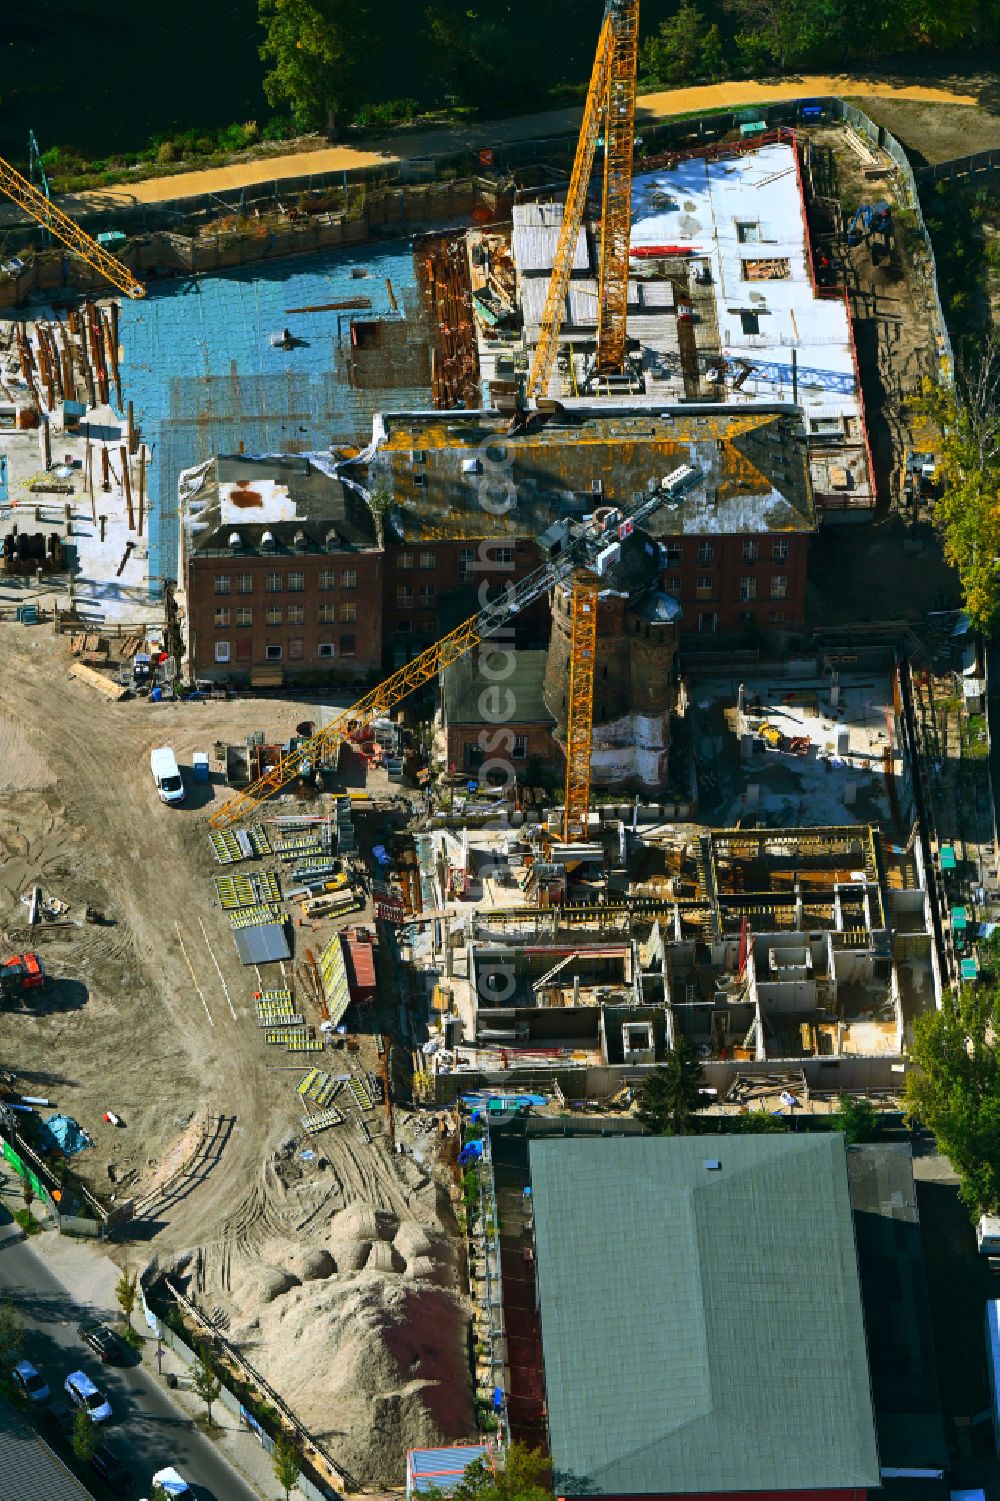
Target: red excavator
point(20, 976)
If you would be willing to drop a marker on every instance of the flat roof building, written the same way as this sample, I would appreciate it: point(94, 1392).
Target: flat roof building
point(701, 1317)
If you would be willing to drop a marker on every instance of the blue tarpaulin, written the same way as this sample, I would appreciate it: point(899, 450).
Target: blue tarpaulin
point(67, 1135)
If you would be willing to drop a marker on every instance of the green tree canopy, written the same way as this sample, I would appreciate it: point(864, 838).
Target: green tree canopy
point(859, 1120)
point(85, 1436)
point(955, 1092)
point(683, 48)
point(968, 510)
point(206, 1384)
point(315, 50)
point(287, 1464)
point(670, 1096)
point(524, 1475)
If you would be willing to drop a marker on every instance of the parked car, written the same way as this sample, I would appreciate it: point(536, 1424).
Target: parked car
point(104, 1342)
point(59, 1420)
point(82, 1392)
point(116, 1475)
point(29, 1383)
point(172, 1485)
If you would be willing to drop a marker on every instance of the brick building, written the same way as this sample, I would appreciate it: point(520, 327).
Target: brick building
point(281, 574)
point(733, 553)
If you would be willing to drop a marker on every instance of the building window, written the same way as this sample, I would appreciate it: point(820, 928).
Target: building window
point(296, 650)
point(466, 562)
point(222, 617)
point(503, 557)
point(223, 583)
point(403, 627)
point(347, 646)
point(748, 587)
point(428, 560)
point(706, 552)
point(775, 617)
point(244, 583)
point(348, 612)
point(272, 615)
point(779, 551)
point(326, 578)
point(405, 560)
point(244, 615)
point(708, 622)
point(520, 751)
point(427, 592)
point(671, 551)
point(327, 614)
point(779, 586)
point(244, 649)
point(703, 586)
point(296, 583)
point(222, 651)
point(404, 597)
point(746, 617)
point(749, 550)
point(272, 653)
point(325, 649)
point(273, 583)
point(747, 231)
point(296, 614)
point(349, 578)
point(674, 584)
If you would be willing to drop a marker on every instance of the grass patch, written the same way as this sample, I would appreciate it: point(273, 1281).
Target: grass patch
point(27, 1222)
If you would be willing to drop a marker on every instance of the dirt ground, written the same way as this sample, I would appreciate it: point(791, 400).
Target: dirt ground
point(327, 1269)
point(933, 133)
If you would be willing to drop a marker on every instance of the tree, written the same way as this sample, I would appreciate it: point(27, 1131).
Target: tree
point(287, 1465)
point(968, 509)
point(670, 1096)
point(206, 1384)
point(27, 1192)
point(84, 1436)
point(955, 1089)
point(683, 48)
point(859, 1120)
point(126, 1292)
point(469, 58)
point(524, 1477)
point(315, 49)
point(11, 1336)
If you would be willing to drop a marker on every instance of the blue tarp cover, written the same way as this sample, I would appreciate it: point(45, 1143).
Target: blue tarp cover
point(67, 1135)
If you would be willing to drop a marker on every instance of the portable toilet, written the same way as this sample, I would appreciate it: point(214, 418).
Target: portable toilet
point(199, 762)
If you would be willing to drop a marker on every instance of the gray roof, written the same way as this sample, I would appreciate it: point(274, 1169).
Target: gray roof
point(465, 682)
point(28, 1468)
point(897, 1308)
point(701, 1330)
point(328, 515)
point(263, 944)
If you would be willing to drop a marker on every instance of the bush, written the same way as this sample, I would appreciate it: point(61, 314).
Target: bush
point(27, 1222)
point(166, 152)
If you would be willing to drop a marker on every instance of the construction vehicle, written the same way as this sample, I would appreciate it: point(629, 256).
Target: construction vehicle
point(577, 551)
point(20, 976)
point(609, 111)
point(44, 211)
point(869, 221)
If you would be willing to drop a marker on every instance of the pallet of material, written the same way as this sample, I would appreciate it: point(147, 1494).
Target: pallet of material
point(95, 679)
point(322, 1121)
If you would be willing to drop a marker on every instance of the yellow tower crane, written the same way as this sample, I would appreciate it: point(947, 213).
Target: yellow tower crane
point(611, 103)
point(582, 550)
point(27, 196)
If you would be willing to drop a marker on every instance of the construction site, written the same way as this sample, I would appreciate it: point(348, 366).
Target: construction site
point(465, 577)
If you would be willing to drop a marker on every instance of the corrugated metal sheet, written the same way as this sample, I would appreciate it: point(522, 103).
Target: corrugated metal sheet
point(359, 957)
point(265, 944)
point(432, 1469)
point(535, 236)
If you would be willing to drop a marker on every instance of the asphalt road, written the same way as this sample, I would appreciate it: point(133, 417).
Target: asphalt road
point(146, 1429)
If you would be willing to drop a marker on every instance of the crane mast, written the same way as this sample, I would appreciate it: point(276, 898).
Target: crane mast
point(44, 211)
point(583, 549)
point(611, 100)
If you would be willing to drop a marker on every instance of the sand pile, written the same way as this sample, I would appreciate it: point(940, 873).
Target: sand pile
point(371, 1355)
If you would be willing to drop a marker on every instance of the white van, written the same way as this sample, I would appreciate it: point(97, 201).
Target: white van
point(166, 775)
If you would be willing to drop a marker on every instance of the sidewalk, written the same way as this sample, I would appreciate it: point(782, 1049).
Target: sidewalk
point(448, 140)
point(91, 1277)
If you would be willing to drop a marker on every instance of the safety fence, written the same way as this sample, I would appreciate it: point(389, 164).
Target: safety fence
point(975, 165)
point(312, 1486)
